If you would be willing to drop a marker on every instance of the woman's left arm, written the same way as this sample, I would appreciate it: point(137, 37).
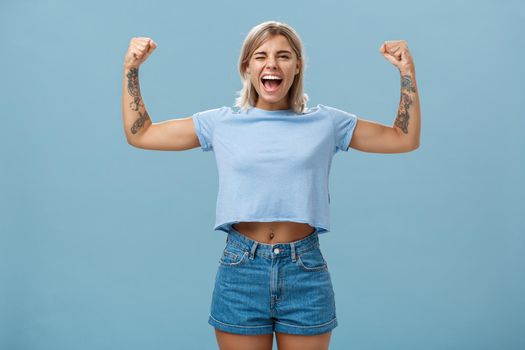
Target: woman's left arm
point(403, 136)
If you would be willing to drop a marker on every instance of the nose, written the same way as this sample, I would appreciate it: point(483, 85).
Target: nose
point(272, 63)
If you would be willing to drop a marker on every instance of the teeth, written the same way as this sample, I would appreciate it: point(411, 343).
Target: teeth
point(273, 77)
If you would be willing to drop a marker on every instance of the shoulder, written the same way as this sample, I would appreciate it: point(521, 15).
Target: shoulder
point(315, 109)
point(321, 108)
point(329, 111)
point(214, 112)
point(336, 113)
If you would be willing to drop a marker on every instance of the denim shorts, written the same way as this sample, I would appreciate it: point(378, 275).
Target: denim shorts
point(264, 288)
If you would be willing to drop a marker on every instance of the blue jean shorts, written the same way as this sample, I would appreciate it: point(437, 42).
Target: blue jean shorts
point(264, 288)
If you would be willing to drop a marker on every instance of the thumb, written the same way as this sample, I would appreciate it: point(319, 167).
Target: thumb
point(152, 45)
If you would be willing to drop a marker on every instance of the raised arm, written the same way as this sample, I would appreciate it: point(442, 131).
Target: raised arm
point(404, 135)
point(141, 132)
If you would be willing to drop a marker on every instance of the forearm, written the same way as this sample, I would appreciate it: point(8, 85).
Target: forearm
point(135, 117)
point(408, 120)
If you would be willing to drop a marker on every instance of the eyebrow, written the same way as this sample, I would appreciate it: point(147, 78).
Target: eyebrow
point(280, 51)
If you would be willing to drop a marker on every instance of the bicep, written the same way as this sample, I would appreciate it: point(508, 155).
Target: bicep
point(170, 135)
point(373, 137)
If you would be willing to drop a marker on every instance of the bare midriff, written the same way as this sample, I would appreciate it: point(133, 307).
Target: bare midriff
point(274, 232)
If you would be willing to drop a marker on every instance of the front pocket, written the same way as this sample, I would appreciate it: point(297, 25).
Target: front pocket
point(312, 260)
point(232, 256)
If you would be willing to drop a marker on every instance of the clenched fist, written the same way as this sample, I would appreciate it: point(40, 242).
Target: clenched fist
point(397, 53)
point(138, 51)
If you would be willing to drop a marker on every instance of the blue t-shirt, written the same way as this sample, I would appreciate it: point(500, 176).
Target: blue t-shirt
point(274, 165)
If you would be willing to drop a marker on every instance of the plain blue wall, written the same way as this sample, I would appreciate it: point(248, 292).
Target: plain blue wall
point(105, 246)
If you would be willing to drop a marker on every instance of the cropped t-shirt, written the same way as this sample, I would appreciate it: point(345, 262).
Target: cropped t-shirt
point(274, 165)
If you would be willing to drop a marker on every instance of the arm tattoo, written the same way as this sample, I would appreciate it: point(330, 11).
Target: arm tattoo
point(139, 123)
point(136, 103)
point(133, 82)
point(134, 90)
point(407, 87)
point(406, 83)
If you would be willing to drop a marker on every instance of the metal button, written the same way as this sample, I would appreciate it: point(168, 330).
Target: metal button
point(276, 251)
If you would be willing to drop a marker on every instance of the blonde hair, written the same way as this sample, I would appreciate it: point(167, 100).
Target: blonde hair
point(248, 96)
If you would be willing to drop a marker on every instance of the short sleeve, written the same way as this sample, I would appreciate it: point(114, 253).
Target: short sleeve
point(204, 123)
point(344, 126)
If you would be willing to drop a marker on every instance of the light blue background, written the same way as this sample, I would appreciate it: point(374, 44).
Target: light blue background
point(105, 246)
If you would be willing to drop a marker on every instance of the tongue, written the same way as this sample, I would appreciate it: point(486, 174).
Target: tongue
point(271, 85)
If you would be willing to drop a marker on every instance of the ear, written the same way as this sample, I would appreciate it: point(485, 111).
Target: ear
point(298, 67)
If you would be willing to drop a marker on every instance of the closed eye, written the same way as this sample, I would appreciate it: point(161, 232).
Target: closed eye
point(284, 56)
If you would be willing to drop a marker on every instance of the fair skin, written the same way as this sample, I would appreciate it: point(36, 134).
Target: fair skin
point(274, 57)
point(277, 57)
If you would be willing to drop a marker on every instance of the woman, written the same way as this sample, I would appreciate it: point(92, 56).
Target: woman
point(274, 156)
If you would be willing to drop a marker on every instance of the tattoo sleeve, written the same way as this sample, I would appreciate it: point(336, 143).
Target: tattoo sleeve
point(136, 104)
point(407, 91)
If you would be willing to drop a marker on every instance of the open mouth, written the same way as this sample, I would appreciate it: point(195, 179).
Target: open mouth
point(271, 84)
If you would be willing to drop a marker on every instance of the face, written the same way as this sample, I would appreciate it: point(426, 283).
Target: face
point(274, 58)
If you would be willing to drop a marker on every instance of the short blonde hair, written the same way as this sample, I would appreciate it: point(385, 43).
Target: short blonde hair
point(248, 96)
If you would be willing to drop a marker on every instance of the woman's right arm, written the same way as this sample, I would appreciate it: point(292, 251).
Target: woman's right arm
point(170, 135)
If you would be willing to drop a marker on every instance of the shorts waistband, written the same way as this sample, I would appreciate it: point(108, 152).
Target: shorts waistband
point(277, 249)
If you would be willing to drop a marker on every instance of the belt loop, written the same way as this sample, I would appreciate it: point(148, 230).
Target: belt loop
point(252, 252)
point(292, 247)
